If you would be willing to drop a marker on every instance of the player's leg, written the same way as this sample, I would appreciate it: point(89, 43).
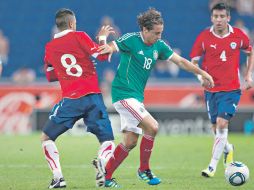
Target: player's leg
point(50, 132)
point(60, 120)
point(130, 120)
point(218, 146)
point(122, 150)
point(227, 103)
point(150, 128)
point(228, 150)
point(228, 154)
point(135, 118)
point(212, 110)
point(97, 122)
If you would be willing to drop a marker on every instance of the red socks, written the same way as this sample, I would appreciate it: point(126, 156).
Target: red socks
point(146, 147)
point(120, 153)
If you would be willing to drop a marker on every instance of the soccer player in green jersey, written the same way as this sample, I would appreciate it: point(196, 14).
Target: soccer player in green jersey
point(139, 53)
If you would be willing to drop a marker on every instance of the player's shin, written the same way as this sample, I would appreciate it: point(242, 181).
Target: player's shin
point(105, 152)
point(146, 147)
point(52, 157)
point(219, 145)
point(120, 153)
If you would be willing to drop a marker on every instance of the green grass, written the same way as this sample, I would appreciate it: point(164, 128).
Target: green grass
point(178, 160)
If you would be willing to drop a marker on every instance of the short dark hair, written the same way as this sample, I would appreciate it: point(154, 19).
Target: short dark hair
point(62, 18)
point(221, 6)
point(149, 18)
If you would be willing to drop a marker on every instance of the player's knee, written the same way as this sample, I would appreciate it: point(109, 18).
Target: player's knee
point(44, 137)
point(154, 129)
point(222, 133)
point(222, 123)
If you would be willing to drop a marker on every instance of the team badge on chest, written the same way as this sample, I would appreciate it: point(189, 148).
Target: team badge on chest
point(233, 45)
point(155, 54)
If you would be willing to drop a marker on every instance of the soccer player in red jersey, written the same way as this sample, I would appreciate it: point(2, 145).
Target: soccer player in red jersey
point(68, 60)
point(220, 47)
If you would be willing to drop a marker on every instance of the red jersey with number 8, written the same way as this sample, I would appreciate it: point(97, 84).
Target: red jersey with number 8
point(221, 56)
point(68, 60)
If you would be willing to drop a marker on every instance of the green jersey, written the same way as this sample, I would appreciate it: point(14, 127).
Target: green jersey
point(137, 61)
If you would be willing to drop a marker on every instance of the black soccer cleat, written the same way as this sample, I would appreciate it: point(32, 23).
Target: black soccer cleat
point(57, 183)
point(100, 175)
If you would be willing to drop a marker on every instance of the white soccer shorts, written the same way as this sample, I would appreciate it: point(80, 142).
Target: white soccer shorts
point(132, 112)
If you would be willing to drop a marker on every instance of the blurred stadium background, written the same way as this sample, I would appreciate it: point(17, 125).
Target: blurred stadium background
point(173, 96)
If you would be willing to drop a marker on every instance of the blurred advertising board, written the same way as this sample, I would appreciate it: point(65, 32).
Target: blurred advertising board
point(17, 103)
point(172, 121)
point(179, 109)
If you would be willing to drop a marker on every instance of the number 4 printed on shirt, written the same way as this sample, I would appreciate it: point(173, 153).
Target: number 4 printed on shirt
point(223, 56)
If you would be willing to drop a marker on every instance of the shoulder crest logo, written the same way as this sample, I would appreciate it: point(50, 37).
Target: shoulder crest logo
point(233, 45)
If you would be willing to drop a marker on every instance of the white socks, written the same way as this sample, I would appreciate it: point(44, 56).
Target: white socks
point(106, 150)
point(228, 147)
point(218, 146)
point(52, 157)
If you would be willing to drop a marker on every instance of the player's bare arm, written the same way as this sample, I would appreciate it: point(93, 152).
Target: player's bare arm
point(188, 66)
point(249, 71)
point(205, 83)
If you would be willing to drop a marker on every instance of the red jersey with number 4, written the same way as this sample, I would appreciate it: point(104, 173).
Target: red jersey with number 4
point(221, 56)
point(68, 60)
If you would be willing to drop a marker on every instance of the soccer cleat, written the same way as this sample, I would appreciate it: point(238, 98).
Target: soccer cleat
point(148, 177)
point(228, 157)
point(100, 174)
point(208, 172)
point(57, 183)
point(111, 183)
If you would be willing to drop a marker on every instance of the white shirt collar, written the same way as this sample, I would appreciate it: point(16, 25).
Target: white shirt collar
point(64, 32)
point(142, 36)
point(230, 30)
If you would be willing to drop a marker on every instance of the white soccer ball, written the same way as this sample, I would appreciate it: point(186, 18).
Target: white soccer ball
point(237, 173)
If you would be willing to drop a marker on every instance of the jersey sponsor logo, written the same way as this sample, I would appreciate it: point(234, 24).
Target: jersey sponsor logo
point(155, 54)
point(233, 45)
point(213, 46)
point(141, 52)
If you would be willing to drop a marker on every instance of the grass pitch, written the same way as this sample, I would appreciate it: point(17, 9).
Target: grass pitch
point(177, 160)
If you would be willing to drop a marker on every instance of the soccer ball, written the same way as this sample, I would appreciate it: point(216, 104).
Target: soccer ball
point(237, 173)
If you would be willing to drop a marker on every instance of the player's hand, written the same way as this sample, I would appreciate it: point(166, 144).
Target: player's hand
point(104, 49)
point(248, 82)
point(105, 31)
point(207, 80)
